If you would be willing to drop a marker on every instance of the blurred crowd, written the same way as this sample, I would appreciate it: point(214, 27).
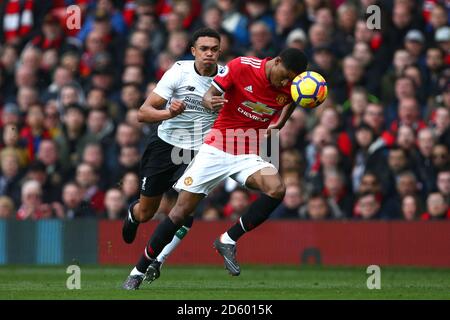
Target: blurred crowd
point(378, 148)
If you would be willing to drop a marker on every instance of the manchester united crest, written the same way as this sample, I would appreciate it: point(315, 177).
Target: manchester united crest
point(188, 181)
point(282, 99)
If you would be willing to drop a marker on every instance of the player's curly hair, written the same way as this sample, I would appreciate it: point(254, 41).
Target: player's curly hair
point(205, 32)
point(294, 60)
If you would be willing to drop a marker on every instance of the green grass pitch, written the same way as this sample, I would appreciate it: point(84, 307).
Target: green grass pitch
point(213, 283)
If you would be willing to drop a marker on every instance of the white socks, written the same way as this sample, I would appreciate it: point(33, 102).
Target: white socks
point(225, 238)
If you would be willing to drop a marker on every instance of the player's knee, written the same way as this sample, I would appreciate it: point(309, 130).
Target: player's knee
point(179, 213)
point(144, 214)
point(277, 191)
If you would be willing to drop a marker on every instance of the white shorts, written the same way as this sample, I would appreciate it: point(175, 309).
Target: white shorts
point(211, 166)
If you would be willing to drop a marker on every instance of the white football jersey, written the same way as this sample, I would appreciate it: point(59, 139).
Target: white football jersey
point(183, 82)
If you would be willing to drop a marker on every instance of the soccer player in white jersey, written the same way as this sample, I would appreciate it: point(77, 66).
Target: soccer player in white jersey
point(177, 102)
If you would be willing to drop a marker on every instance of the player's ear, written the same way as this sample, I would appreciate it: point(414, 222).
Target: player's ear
point(193, 50)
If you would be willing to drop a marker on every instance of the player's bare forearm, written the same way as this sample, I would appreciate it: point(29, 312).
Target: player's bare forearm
point(285, 114)
point(213, 99)
point(149, 114)
point(152, 109)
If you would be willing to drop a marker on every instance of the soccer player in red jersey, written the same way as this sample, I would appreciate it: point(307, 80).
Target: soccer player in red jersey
point(249, 93)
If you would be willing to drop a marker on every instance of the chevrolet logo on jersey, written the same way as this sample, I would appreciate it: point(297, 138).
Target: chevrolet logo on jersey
point(259, 108)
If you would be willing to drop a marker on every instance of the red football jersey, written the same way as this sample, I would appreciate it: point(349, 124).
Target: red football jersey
point(252, 104)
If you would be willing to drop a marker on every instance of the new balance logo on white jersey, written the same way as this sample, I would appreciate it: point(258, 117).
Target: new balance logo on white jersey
point(249, 89)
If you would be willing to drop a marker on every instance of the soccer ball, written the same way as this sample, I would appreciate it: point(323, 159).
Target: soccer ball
point(309, 89)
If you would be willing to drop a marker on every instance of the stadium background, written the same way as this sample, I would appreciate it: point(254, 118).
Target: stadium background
point(365, 172)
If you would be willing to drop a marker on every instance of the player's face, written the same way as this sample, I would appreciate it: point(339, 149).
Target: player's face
point(280, 76)
point(206, 51)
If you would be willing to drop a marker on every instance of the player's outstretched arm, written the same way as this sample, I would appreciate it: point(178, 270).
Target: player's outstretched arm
point(213, 99)
point(285, 114)
point(152, 109)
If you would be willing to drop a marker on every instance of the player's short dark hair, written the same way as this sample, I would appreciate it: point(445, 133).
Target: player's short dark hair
point(205, 32)
point(294, 60)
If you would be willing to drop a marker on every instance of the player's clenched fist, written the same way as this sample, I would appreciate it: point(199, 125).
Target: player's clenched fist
point(214, 102)
point(176, 107)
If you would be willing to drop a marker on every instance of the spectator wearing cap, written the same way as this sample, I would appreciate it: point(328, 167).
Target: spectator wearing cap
point(442, 39)
point(414, 42)
point(10, 115)
point(297, 39)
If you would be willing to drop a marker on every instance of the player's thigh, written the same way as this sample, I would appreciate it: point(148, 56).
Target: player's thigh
point(268, 181)
point(205, 172)
point(187, 202)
